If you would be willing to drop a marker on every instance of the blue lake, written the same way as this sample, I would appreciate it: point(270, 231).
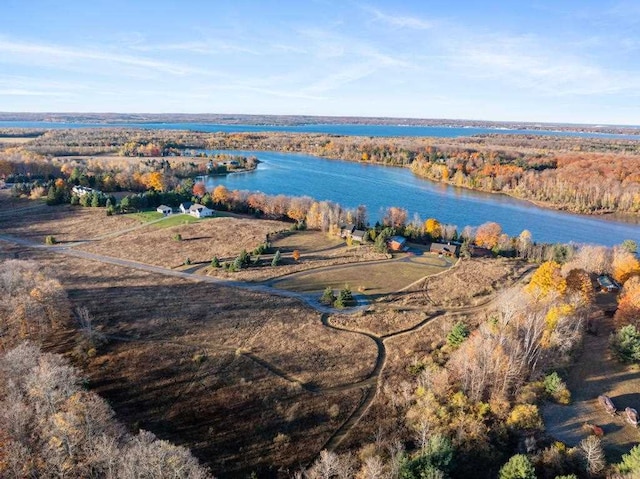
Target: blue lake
point(379, 187)
point(334, 129)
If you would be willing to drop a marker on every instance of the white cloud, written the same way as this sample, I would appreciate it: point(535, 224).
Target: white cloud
point(399, 21)
point(58, 56)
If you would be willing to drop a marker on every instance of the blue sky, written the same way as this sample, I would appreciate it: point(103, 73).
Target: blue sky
point(547, 61)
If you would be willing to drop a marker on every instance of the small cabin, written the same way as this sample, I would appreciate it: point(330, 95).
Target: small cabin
point(397, 243)
point(359, 236)
point(607, 284)
point(445, 249)
point(347, 230)
point(164, 209)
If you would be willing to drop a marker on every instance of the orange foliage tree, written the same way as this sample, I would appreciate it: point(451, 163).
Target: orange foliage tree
point(628, 311)
point(199, 189)
point(488, 235)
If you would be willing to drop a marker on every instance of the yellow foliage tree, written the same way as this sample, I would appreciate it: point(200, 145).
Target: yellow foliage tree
point(155, 180)
point(220, 194)
point(525, 416)
point(433, 228)
point(547, 279)
point(625, 265)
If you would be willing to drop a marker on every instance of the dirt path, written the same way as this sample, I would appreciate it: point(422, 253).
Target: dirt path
point(595, 372)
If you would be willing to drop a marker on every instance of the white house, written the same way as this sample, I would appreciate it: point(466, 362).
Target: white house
point(200, 211)
point(184, 207)
point(82, 190)
point(164, 209)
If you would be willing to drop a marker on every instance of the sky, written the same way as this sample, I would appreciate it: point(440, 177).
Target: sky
point(540, 61)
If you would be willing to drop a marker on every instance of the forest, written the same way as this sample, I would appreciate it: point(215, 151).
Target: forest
point(592, 176)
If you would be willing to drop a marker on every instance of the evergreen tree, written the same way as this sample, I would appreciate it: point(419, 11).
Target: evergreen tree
point(518, 467)
point(458, 334)
point(276, 258)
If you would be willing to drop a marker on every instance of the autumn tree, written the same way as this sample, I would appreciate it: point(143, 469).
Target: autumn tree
point(628, 311)
point(488, 235)
point(579, 283)
point(547, 280)
point(395, 217)
point(32, 303)
point(624, 264)
point(220, 194)
point(524, 243)
point(591, 449)
point(199, 189)
point(51, 427)
point(155, 180)
point(433, 228)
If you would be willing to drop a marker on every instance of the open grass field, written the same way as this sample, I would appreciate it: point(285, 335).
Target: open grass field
point(307, 242)
point(66, 223)
point(238, 377)
point(14, 140)
point(201, 240)
point(469, 282)
point(374, 279)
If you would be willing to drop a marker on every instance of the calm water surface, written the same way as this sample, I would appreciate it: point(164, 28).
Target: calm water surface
point(351, 184)
point(335, 129)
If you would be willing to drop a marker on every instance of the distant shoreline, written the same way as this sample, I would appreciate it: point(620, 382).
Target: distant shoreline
point(305, 120)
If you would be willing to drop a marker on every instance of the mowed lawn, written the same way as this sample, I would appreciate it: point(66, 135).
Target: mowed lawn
point(307, 242)
point(375, 278)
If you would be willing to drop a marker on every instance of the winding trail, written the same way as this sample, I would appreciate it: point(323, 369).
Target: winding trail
point(368, 386)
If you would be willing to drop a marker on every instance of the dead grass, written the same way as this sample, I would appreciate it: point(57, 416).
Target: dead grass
point(8, 202)
point(379, 278)
point(66, 223)
point(263, 271)
point(201, 241)
point(228, 408)
point(307, 242)
point(380, 321)
point(468, 283)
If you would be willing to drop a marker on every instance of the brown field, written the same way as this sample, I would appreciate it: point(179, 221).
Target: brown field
point(468, 283)
point(372, 279)
point(201, 241)
point(257, 399)
point(307, 242)
point(14, 140)
point(8, 202)
point(66, 223)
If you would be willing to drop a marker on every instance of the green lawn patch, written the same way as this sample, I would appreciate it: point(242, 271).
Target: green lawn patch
point(146, 216)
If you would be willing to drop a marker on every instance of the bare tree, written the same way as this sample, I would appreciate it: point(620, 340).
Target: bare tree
point(591, 450)
point(372, 468)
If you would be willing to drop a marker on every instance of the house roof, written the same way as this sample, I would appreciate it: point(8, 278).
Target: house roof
point(163, 207)
point(398, 239)
point(186, 205)
point(196, 207)
point(359, 233)
point(349, 227)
